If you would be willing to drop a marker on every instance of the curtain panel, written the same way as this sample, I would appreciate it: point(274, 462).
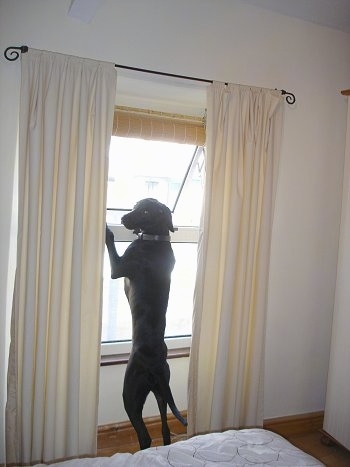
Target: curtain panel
point(227, 355)
point(65, 124)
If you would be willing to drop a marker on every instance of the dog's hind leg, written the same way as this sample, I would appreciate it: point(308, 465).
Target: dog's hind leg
point(134, 411)
point(135, 392)
point(141, 430)
point(162, 404)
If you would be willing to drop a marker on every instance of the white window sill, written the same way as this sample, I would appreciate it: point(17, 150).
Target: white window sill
point(117, 353)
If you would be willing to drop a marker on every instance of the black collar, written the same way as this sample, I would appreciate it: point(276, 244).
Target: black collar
point(157, 238)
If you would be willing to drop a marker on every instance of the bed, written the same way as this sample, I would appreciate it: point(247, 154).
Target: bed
point(243, 448)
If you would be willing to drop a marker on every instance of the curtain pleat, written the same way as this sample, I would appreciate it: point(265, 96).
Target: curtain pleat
point(227, 355)
point(66, 116)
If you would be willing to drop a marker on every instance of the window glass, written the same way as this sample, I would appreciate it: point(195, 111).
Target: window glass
point(116, 323)
point(171, 173)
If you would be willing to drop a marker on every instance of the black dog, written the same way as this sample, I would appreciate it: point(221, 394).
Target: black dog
point(147, 265)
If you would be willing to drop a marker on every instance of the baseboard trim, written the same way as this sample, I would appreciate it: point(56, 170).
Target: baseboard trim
point(149, 421)
point(123, 435)
point(294, 425)
point(291, 425)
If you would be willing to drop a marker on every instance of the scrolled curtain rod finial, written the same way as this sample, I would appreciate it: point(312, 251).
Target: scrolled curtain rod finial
point(290, 97)
point(13, 53)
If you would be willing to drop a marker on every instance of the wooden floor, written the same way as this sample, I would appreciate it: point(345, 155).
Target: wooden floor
point(331, 455)
point(122, 439)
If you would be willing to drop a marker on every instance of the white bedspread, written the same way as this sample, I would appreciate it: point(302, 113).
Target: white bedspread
point(243, 448)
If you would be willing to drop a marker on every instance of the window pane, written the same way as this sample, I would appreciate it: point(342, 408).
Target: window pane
point(141, 169)
point(171, 173)
point(116, 317)
point(180, 306)
point(116, 324)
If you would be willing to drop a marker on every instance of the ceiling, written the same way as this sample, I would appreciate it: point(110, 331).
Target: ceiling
point(331, 13)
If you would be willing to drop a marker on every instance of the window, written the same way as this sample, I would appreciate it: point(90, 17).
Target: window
point(172, 173)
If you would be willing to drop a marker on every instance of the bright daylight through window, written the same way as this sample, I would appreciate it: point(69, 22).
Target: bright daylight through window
point(171, 173)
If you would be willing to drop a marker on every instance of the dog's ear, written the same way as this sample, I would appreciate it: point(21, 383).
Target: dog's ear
point(169, 219)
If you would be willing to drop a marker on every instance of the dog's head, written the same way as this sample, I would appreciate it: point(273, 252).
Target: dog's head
point(149, 216)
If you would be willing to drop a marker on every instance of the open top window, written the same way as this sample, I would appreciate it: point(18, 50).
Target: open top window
point(169, 172)
point(173, 174)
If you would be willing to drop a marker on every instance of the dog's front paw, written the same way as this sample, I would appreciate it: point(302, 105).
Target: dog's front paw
point(109, 235)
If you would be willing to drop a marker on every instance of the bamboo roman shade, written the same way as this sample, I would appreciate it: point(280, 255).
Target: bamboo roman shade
point(160, 126)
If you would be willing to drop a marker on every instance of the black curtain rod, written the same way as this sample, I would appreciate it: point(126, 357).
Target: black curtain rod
point(13, 53)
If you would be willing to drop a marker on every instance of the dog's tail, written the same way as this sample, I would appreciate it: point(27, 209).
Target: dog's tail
point(168, 397)
point(176, 412)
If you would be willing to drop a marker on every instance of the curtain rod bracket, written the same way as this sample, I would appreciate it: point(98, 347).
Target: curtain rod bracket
point(13, 53)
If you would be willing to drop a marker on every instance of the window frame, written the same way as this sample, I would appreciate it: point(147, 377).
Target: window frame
point(131, 123)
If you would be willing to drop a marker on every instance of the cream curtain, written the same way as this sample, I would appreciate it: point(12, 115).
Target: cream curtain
point(66, 116)
point(227, 355)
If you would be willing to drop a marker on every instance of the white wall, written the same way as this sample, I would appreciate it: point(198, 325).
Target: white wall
point(337, 409)
point(226, 41)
